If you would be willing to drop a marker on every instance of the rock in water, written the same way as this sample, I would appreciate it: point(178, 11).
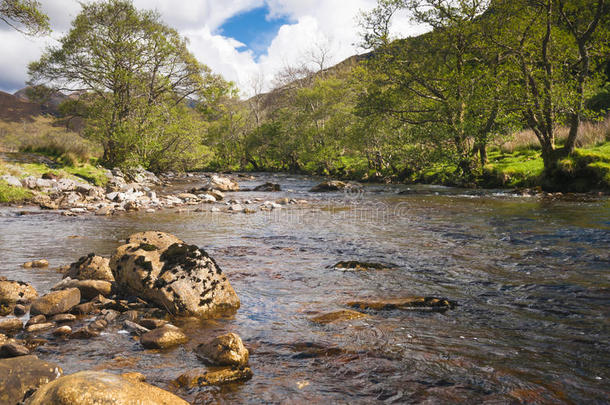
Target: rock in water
point(95, 387)
point(91, 267)
point(225, 350)
point(268, 187)
point(163, 337)
point(56, 302)
point(407, 303)
point(181, 278)
point(338, 316)
point(201, 377)
point(88, 288)
point(335, 185)
point(222, 184)
point(22, 374)
point(16, 291)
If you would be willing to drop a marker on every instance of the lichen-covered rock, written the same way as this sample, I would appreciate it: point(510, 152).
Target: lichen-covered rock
point(201, 377)
point(88, 288)
point(56, 302)
point(16, 291)
point(180, 278)
point(22, 374)
point(95, 387)
point(338, 316)
point(406, 303)
point(91, 267)
point(225, 350)
point(163, 337)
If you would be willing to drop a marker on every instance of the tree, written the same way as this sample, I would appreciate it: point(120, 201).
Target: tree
point(137, 74)
point(24, 16)
point(552, 45)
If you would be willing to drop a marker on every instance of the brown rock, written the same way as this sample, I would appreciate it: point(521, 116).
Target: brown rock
point(152, 323)
point(163, 337)
point(336, 316)
point(91, 267)
point(88, 288)
point(20, 310)
point(134, 376)
point(22, 374)
point(408, 303)
point(10, 325)
point(16, 291)
point(13, 350)
point(201, 377)
point(225, 350)
point(56, 302)
point(35, 320)
point(63, 331)
point(63, 318)
point(95, 387)
point(39, 327)
point(36, 264)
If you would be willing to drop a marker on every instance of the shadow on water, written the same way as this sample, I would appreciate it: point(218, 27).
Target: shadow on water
point(530, 276)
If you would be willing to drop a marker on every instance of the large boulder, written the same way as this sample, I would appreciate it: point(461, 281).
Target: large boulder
point(56, 302)
point(225, 350)
point(19, 375)
point(222, 183)
point(95, 387)
point(91, 267)
point(181, 278)
point(16, 291)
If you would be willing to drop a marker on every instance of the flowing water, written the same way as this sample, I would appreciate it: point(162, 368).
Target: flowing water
point(530, 275)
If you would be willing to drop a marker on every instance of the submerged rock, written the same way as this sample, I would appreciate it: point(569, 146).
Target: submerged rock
point(268, 187)
point(338, 316)
point(225, 350)
point(408, 303)
point(95, 387)
point(357, 265)
point(16, 291)
point(36, 264)
point(91, 267)
point(335, 185)
point(181, 278)
point(56, 302)
point(163, 337)
point(21, 374)
point(201, 377)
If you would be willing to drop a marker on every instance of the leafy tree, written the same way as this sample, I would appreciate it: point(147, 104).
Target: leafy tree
point(24, 16)
point(137, 74)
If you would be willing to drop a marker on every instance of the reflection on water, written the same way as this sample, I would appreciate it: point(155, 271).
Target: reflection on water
point(530, 275)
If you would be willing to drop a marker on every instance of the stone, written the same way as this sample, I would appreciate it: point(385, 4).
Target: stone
point(63, 318)
point(36, 264)
point(236, 208)
point(39, 327)
point(96, 387)
point(134, 328)
point(152, 323)
point(91, 267)
point(35, 320)
point(10, 325)
point(335, 185)
point(56, 302)
point(217, 194)
point(407, 303)
point(338, 316)
point(19, 310)
point(134, 376)
point(357, 265)
point(222, 183)
point(22, 374)
point(84, 308)
point(268, 187)
point(16, 291)
point(13, 350)
point(201, 377)
point(64, 330)
point(225, 350)
point(163, 337)
point(88, 288)
point(187, 196)
point(180, 278)
point(6, 309)
point(11, 180)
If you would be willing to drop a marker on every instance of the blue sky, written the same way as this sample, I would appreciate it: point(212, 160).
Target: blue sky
point(254, 28)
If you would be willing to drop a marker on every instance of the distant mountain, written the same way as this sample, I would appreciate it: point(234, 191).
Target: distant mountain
point(16, 109)
point(50, 104)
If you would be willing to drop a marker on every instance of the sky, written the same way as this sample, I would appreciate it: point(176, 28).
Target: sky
point(246, 41)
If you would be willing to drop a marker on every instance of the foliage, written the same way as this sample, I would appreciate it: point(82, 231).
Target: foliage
point(24, 16)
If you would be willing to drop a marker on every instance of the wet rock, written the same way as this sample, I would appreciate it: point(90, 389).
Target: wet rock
point(36, 264)
point(268, 187)
point(64, 330)
point(10, 350)
point(91, 267)
point(225, 350)
point(217, 194)
point(63, 318)
point(95, 387)
point(334, 185)
point(181, 278)
point(39, 327)
point(152, 323)
point(338, 316)
point(407, 303)
point(84, 308)
point(134, 376)
point(236, 208)
point(36, 320)
point(19, 310)
point(109, 315)
point(163, 337)
point(357, 265)
point(56, 302)
point(8, 325)
point(16, 291)
point(88, 288)
point(221, 183)
point(202, 377)
point(22, 374)
point(92, 330)
point(105, 211)
point(134, 328)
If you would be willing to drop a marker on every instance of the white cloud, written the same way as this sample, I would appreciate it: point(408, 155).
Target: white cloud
point(333, 22)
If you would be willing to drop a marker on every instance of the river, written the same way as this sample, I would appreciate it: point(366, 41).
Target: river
point(530, 276)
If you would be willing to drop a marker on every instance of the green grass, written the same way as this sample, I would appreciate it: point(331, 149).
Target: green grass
point(522, 168)
point(11, 194)
point(80, 171)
